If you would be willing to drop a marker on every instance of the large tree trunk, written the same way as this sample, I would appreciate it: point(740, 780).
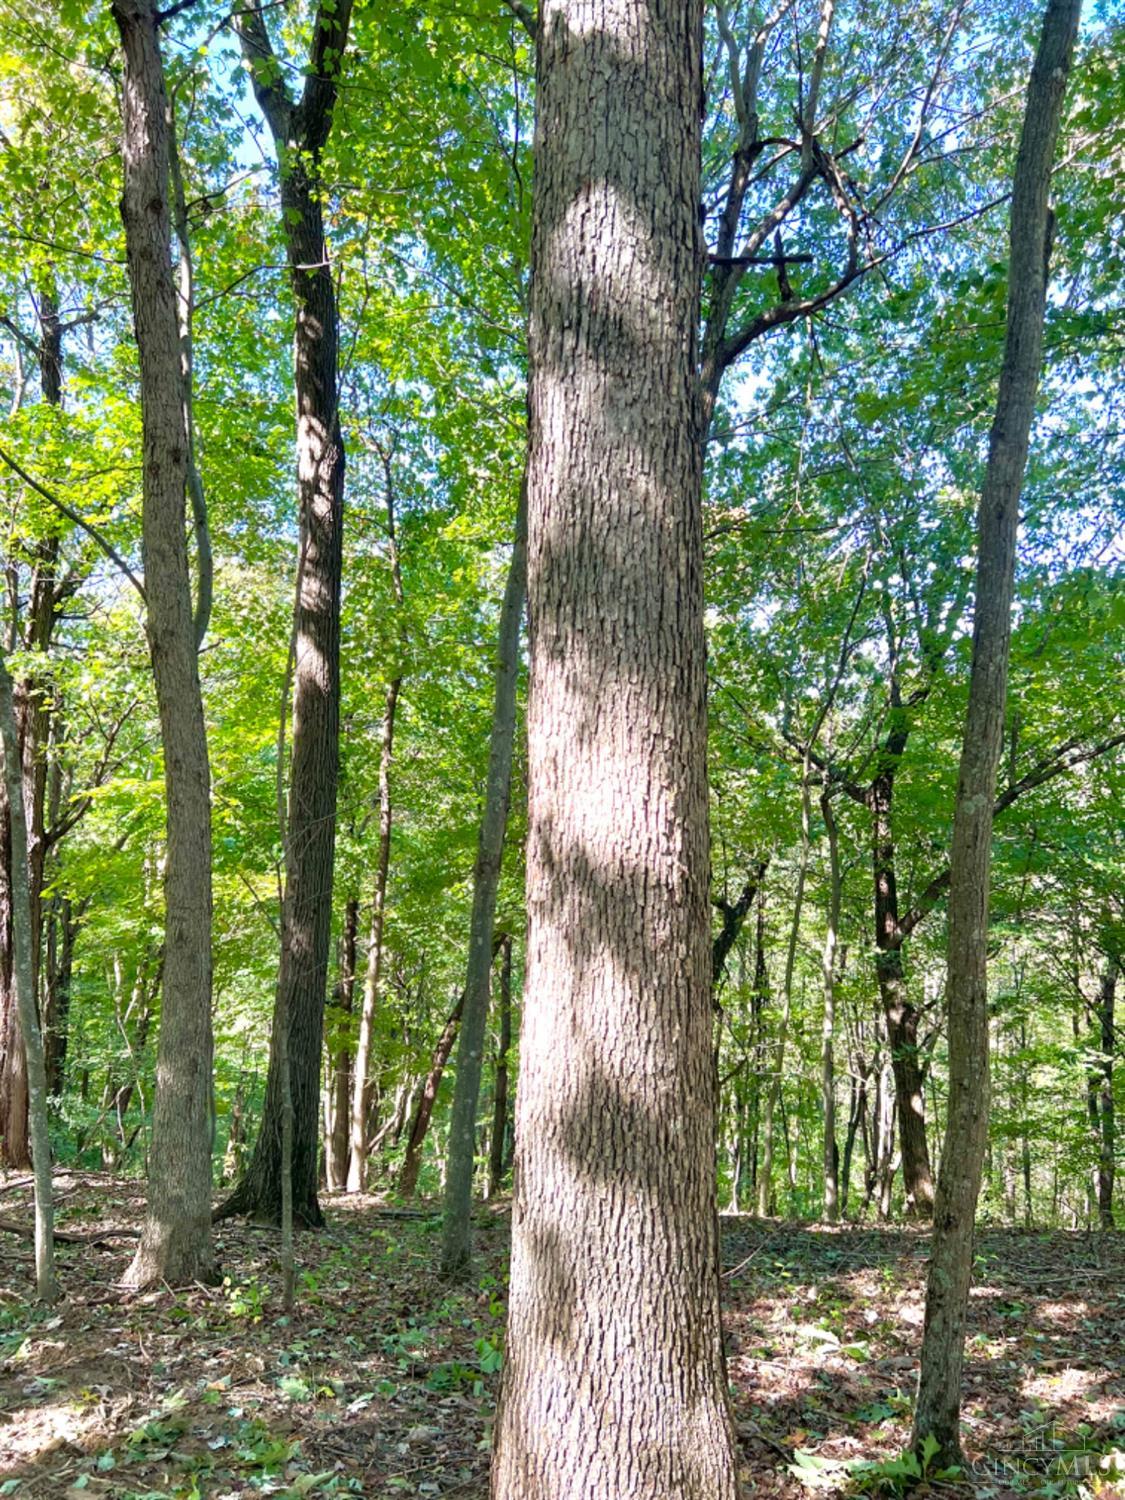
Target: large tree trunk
point(614, 1382)
point(175, 1244)
point(456, 1250)
point(938, 1408)
point(300, 130)
point(900, 1016)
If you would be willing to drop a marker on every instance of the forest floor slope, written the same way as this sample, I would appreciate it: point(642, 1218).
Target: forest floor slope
point(383, 1383)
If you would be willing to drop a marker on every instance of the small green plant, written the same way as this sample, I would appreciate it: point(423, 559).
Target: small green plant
point(245, 1299)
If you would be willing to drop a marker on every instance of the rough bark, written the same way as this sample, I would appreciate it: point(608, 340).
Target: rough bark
point(456, 1250)
point(175, 1244)
point(937, 1411)
point(614, 1381)
point(23, 984)
point(497, 1154)
point(300, 130)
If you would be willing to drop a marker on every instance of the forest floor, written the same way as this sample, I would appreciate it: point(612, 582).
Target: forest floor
point(383, 1382)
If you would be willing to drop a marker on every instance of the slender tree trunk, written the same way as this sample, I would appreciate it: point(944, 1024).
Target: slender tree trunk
point(1107, 1119)
point(30, 1035)
point(412, 1161)
point(828, 1029)
point(614, 1381)
point(938, 1407)
point(900, 1016)
point(176, 1241)
point(300, 129)
point(777, 1067)
point(496, 1154)
point(456, 1250)
point(339, 1059)
point(32, 707)
point(357, 1163)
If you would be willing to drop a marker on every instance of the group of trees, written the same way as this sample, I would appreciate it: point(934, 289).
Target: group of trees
point(714, 386)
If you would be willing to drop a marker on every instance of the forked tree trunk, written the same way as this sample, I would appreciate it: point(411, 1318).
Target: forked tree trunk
point(614, 1380)
point(456, 1248)
point(175, 1243)
point(938, 1408)
point(22, 976)
point(300, 129)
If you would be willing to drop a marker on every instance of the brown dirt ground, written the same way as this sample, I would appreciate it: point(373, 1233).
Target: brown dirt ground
point(382, 1384)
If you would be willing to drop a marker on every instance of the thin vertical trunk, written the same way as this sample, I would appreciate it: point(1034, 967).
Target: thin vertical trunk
point(300, 129)
point(1107, 1119)
point(496, 1154)
point(32, 706)
point(339, 1059)
point(828, 1027)
point(204, 565)
point(777, 1067)
point(412, 1161)
point(30, 1035)
point(456, 1250)
point(176, 1241)
point(614, 1379)
point(900, 1015)
point(357, 1162)
point(938, 1409)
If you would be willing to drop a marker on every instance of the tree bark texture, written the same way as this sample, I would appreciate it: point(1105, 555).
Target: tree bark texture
point(300, 130)
point(614, 1381)
point(456, 1251)
point(176, 1240)
point(937, 1411)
